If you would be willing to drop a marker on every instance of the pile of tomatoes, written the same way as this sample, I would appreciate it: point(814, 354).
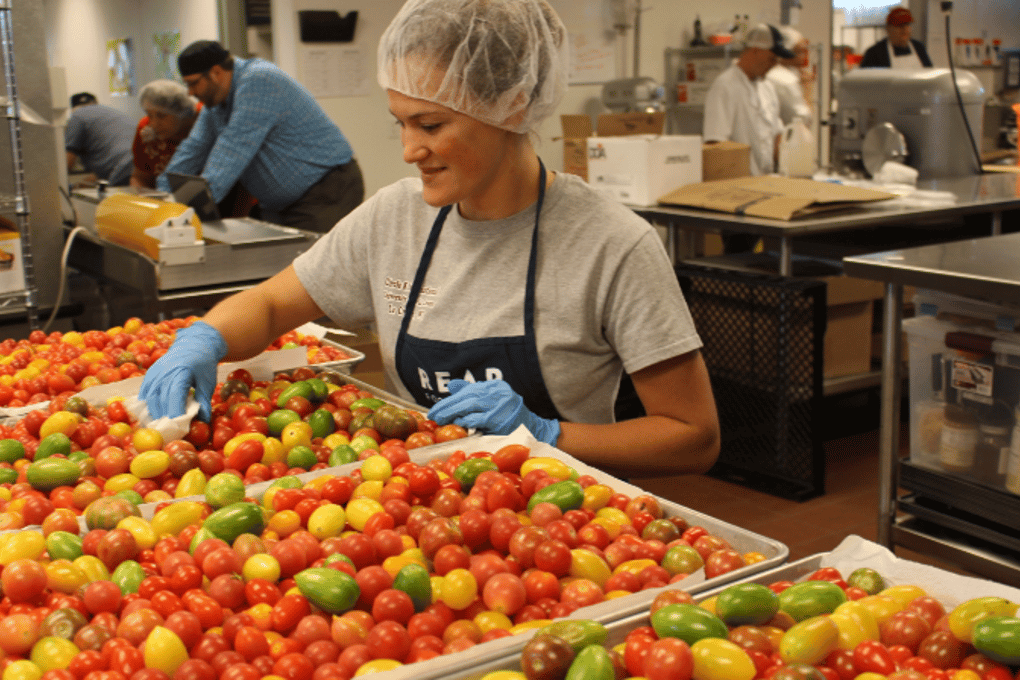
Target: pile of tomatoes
point(116, 456)
point(395, 563)
point(820, 628)
point(43, 366)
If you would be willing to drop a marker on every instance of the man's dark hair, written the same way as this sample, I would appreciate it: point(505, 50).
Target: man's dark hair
point(82, 98)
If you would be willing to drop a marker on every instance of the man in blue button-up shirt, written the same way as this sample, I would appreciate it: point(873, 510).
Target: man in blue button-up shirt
point(262, 128)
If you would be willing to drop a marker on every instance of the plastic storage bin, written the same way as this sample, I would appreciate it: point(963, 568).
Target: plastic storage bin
point(964, 391)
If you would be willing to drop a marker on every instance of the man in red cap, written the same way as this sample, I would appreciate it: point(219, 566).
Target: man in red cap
point(899, 50)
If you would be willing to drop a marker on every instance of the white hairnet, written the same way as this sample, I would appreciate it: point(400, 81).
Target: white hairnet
point(503, 62)
point(791, 37)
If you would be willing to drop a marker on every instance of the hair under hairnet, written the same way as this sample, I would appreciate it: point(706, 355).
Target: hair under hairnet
point(170, 96)
point(503, 62)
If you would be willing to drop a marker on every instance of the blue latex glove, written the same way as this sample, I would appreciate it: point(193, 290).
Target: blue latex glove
point(493, 407)
point(191, 360)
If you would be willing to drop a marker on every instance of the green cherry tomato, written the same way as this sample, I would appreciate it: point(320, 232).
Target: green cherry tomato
point(328, 589)
point(867, 579)
point(998, 638)
point(322, 423)
point(414, 580)
point(592, 663)
point(63, 545)
point(687, 622)
point(811, 598)
point(468, 471)
point(279, 419)
point(342, 455)
point(566, 495)
point(578, 634)
point(746, 604)
point(128, 576)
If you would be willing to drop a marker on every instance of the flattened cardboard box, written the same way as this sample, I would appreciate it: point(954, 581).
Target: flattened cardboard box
point(779, 198)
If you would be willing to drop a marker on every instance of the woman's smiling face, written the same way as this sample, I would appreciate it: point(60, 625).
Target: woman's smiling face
point(460, 158)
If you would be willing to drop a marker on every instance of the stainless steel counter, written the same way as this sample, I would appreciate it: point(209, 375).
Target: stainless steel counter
point(984, 268)
point(988, 193)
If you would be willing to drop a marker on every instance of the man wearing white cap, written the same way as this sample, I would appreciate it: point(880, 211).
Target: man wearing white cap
point(742, 106)
point(787, 77)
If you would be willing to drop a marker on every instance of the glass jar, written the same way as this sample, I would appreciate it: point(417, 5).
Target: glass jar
point(959, 440)
point(993, 445)
point(929, 416)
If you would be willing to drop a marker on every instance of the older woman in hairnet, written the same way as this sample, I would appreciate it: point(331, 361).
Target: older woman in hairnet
point(503, 294)
point(169, 114)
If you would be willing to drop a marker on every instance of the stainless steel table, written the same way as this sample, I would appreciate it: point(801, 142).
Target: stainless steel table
point(989, 193)
point(984, 268)
point(225, 268)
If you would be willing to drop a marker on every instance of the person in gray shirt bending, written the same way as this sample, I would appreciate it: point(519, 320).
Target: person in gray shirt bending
point(100, 136)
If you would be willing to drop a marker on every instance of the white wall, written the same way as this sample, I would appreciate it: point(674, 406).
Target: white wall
point(77, 31)
point(366, 122)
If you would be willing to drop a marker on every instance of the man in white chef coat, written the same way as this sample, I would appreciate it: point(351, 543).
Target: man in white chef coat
point(742, 106)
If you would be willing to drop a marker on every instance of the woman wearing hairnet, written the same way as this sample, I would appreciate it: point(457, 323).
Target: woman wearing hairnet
point(169, 114)
point(531, 293)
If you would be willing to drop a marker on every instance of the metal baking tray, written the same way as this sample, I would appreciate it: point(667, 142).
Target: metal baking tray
point(949, 588)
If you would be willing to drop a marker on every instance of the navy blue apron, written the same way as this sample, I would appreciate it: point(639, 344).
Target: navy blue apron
point(422, 363)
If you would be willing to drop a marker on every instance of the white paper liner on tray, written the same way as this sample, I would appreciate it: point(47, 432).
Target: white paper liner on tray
point(854, 552)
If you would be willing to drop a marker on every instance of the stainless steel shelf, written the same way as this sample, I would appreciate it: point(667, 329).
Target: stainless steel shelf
point(928, 539)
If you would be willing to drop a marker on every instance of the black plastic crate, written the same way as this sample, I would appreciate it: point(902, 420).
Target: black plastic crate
point(763, 340)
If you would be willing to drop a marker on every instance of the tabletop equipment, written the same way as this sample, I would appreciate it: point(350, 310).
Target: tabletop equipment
point(919, 104)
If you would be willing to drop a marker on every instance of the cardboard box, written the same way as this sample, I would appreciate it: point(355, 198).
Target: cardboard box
point(12, 270)
point(850, 309)
point(779, 198)
point(638, 169)
point(577, 129)
point(725, 160)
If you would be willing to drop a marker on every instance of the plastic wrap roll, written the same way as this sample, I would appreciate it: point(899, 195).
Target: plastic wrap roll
point(123, 219)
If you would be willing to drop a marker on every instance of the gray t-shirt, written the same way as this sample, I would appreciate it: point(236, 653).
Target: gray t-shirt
point(607, 299)
point(101, 137)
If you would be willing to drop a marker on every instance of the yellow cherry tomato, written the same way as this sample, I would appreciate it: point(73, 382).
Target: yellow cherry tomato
point(968, 614)
point(298, 433)
point(23, 545)
point(273, 451)
point(172, 519)
point(192, 484)
point(327, 521)
point(164, 650)
point(486, 621)
point(596, 496)
point(377, 666)
point(146, 439)
point(459, 589)
point(586, 564)
point(376, 468)
point(22, 670)
point(718, 659)
point(121, 482)
point(93, 568)
point(64, 577)
point(554, 467)
point(145, 535)
point(368, 489)
point(64, 422)
point(360, 509)
point(261, 566)
point(51, 653)
point(150, 464)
